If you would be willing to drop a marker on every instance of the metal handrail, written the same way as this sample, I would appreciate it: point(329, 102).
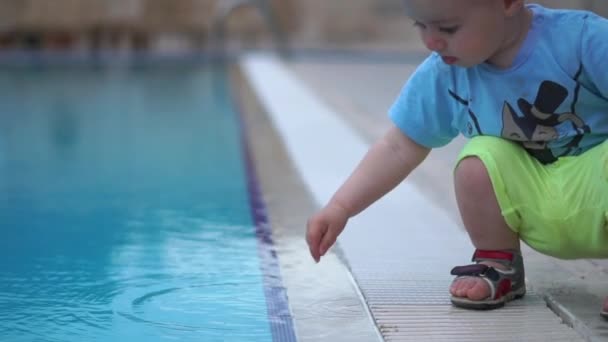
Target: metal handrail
point(226, 7)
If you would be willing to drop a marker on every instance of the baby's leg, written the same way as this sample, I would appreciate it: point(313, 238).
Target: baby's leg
point(483, 221)
point(504, 194)
point(479, 207)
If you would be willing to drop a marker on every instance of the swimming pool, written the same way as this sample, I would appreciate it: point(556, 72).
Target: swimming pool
point(129, 210)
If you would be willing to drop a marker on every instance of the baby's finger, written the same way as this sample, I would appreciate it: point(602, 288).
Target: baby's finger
point(314, 236)
point(328, 240)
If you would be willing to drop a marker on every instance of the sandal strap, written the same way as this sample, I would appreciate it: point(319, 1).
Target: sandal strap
point(500, 281)
point(506, 257)
point(476, 270)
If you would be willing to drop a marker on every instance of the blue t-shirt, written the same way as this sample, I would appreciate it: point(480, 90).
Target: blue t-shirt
point(553, 99)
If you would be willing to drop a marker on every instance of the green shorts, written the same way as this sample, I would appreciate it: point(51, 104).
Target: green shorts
point(557, 209)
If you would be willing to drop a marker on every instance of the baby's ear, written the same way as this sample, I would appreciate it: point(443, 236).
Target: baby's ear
point(512, 7)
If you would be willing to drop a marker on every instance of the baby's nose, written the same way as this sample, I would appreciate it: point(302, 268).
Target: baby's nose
point(434, 42)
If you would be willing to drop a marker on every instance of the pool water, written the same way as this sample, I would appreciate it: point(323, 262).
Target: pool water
point(129, 212)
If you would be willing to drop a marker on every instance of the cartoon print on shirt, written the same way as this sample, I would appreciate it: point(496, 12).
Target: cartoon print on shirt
point(538, 125)
point(533, 137)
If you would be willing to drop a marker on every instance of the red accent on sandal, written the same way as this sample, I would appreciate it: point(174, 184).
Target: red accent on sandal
point(503, 288)
point(493, 255)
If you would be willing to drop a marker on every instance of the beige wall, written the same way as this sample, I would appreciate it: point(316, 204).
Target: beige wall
point(331, 18)
point(361, 20)
point(308, 22)
point(112, 23)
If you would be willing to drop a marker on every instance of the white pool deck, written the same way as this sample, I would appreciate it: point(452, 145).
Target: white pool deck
point(399, 252)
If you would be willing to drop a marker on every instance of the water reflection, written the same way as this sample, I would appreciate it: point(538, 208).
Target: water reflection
point(64, 125)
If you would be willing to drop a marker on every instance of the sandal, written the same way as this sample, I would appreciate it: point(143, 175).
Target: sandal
point(604, 312)
point(505, 285)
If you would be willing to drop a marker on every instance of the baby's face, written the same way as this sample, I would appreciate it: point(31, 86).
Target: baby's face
point(463, 32)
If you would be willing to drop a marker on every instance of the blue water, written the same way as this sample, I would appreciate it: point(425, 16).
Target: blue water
point(125, 213)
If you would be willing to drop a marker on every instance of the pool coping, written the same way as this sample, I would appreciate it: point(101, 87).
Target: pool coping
point(288, 203)
point(277, 305)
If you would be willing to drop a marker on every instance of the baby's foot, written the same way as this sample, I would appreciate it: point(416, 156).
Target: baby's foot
point(475, 288)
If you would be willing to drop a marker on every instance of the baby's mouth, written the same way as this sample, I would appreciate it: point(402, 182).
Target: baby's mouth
point(449, 59)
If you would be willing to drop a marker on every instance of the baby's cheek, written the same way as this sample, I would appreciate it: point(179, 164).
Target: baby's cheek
point(478, 49)
point(471, 46)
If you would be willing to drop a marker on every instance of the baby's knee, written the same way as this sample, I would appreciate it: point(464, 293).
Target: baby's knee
point(471, 174)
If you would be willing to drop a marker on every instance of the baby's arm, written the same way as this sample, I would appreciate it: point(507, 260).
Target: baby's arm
point(385, 165)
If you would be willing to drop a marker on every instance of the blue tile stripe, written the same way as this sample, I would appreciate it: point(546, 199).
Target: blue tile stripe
point(279, 315)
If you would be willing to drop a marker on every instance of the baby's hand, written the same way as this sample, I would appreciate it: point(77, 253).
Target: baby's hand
point(323, 229)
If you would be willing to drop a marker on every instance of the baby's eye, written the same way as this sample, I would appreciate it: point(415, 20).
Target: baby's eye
point(419, 25)
point(449, 30)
